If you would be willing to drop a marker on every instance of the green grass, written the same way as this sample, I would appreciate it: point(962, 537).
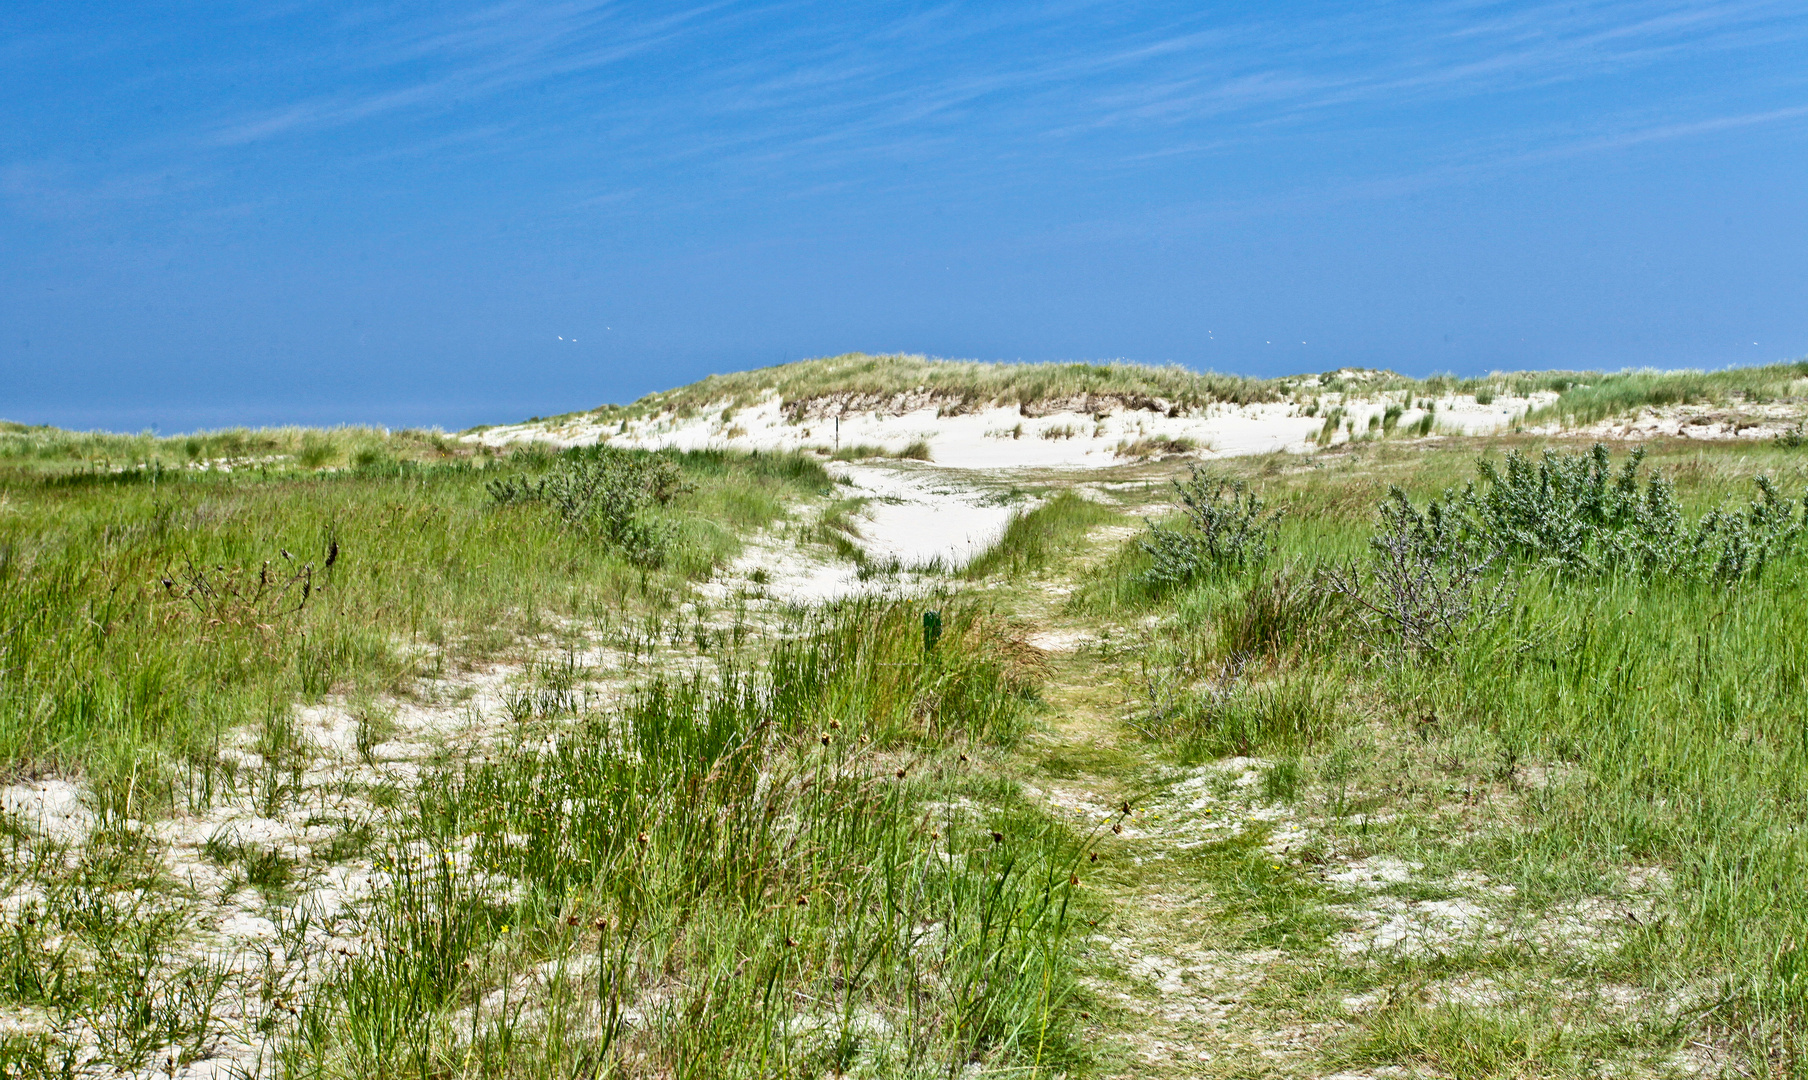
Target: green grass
point(789, 873)
point(611, 885)
point(956, 385)
point(860, 381)
point(1677, 705)
point(145, 612)
point(782, 864)
point(1592, 396)
point(45, 448)
point(1037, 539)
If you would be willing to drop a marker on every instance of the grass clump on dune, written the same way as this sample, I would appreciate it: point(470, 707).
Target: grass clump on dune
point(1038, 538)
point(45, 448)
point(1590, 397)
point(146, 611)
point(738, 875)
point(957, 385)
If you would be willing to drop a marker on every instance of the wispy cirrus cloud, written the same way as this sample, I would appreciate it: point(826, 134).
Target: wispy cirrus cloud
point(763, 92)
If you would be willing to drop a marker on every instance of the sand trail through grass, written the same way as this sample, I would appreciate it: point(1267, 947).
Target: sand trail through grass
point(1347, 900)
point(773, 820)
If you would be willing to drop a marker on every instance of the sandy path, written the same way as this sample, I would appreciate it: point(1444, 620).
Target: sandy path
point(915, 519)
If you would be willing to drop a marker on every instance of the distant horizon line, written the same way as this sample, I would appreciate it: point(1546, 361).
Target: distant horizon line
point(418, 415)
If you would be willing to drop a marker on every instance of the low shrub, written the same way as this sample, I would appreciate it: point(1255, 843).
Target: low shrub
point(1576, 513)
point(1228, 529)
point(1420, 590)
point(607, 492)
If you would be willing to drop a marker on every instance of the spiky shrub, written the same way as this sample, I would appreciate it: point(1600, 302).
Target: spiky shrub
point(1421, 589)
point(1576, 513)
point(1228, 529)
point(607, 492)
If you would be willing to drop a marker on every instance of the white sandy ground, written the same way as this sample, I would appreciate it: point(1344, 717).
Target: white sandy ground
point(916, 518)
point(270, 952)
point(944, 510)
point(1003, 437)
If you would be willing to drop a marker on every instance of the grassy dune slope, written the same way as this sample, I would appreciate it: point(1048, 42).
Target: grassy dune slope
point(385, 754)
point(1569, 842)
point(868, 381)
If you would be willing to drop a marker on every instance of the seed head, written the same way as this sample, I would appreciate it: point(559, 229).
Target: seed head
point(641, 839)
point(803, 901)
point(900, 774)
point(826, 737)
point(997, 837)
point(1073, 879)
point(834, 725)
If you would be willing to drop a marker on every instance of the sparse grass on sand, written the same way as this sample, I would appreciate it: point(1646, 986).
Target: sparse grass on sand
point(860, 381)
point(1531, 816)
point(1608, 778)
point(787, 861)
point(738, 874)
point(147, 610)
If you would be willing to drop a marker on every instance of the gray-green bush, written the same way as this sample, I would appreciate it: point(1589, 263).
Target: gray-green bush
point(1576, 513)
point(1228, 528)
point(608, 493)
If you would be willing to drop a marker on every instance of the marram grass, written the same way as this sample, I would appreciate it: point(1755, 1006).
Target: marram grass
point(795, 872)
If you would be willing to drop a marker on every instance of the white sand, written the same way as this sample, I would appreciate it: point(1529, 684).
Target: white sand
point(921, 516)
point(1003, 438)
point(944, 511)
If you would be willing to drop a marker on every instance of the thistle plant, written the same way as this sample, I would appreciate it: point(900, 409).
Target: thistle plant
point(1422, 587)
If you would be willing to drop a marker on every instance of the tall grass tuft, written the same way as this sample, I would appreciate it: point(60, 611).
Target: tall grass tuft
point(1036, 539)
point(746, 874)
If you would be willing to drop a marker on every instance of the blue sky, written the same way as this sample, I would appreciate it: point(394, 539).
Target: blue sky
point(218, 213)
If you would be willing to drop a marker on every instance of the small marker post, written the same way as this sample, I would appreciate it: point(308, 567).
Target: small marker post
point(932, 630)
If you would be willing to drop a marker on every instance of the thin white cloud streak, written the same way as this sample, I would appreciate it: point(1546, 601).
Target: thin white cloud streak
point(492, 50)
point(995, 89)
point(1468, 163)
